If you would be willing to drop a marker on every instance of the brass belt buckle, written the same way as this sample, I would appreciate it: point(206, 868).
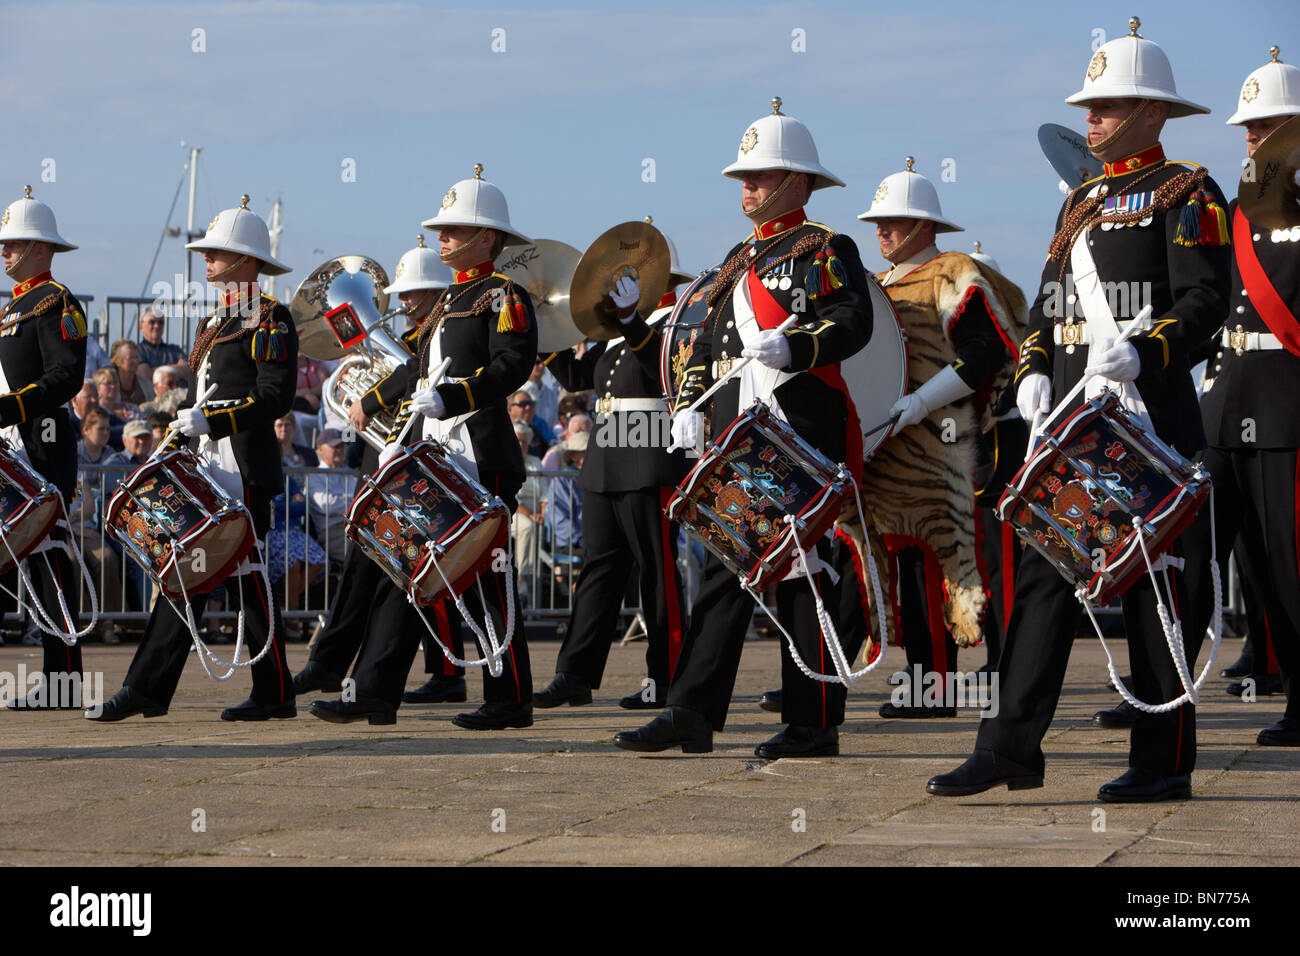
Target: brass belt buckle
point(1072, 335)
point(724, 366)
point(605, 404)
point(1237, 340)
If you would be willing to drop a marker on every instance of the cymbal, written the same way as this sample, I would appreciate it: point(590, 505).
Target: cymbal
point(635, 249)
point(1068, 153)
point(353, 279)
point(545, 269)
point(1268, 194)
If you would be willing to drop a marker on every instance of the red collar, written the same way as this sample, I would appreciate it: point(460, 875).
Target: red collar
point(670, 298)
point(775, 227)
point(243, 292)
point(1142, 160)
point(26, 286)
point(484, 268)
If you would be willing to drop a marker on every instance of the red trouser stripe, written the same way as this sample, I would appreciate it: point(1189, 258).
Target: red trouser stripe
point(1008, 571)
point(670, 586)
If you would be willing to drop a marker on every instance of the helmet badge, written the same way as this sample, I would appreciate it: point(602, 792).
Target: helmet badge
point(749, 140)
point(1097, 66)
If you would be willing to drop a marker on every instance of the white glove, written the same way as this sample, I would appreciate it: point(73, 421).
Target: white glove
point(1119, 363)
point(390, 451)
point(687, 429)
point(627, 292)
point(1034, 396)
point(770, 349)
point(428, 402)
point(942, 389)
point(190, 422)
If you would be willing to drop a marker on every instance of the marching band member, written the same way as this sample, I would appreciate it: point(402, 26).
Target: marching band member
point(1150, 225)
point(963, 323)
point(794, 266)
point(42, 365)
point(484, 323)
point(1249, 412)
point(625, 488)
point(248, 349)
point(419, 278)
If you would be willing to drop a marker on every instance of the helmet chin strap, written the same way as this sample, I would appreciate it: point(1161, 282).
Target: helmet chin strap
point(766, 203)
point(448, 256)
point(422, 307)
point(1120, 130)
point(897, 254)
point(218, 276)
point(9, 270)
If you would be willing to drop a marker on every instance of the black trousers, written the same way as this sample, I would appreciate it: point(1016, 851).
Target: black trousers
point(395, 629)
point(619, 529)
point(1255, 502)
point(706, 671)
point(159, 660)
point(1000, 547)
point(1044, 621)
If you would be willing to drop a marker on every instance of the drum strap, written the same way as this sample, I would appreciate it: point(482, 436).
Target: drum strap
point(1263, 296)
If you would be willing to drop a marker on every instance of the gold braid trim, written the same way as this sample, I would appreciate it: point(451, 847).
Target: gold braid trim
point(440, 313)
point(734, 267)
point(44, 305)
point(208, 334)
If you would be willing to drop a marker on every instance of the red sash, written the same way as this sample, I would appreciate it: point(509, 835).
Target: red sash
point(769, 314)
point(1263, 296)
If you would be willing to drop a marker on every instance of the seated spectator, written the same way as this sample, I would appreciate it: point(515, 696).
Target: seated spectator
point(545, 391)
point(154, 352)
point(528, 517)
point(84, 400)
point(96, 357)
point(571, 403)
point(564, 498)
point(169, 391)
point(110, 397)
point(158, 421)
point(291, 553)
point(311, 378)
point(521, 409)
point(125, 359)
point(576, 424)
point(292, 454)
point(329, 496)
point(85, 517)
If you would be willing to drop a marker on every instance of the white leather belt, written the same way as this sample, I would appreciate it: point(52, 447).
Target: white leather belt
point(721, 368)
point(1242, 341)
point(631, 405)
point(1077, 334)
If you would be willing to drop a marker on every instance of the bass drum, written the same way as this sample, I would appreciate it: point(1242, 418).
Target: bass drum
point(876, 376)
point(680, 330)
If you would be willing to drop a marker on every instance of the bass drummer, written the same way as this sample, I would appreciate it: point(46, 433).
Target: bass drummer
point(247, 350)
point(792, 267)
point(626, 479)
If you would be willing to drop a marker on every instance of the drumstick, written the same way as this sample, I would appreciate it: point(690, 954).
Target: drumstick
point(438, 373)
point(167, 437)
point(735, 369)
point(1040, 422)
point(887, 423)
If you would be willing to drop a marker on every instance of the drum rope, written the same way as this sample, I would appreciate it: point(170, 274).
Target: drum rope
point(40, 617)
point(1172, 627)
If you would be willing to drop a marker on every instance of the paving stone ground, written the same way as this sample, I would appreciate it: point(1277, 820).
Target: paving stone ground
point(304, 792)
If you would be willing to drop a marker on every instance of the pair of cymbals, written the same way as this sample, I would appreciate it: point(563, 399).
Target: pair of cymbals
point(1268, 194)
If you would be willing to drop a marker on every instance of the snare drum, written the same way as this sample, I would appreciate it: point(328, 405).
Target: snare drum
point(420, 508)
point(738, 495)
point(1077, 496)
point(180, 525)
point(29, 507)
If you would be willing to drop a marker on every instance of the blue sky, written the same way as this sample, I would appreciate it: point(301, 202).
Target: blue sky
point(564, 119)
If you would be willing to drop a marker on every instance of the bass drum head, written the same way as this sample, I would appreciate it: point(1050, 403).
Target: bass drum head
point(680, 330)
point(876, 376)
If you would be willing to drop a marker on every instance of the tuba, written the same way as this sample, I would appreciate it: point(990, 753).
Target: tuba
point(339, 311)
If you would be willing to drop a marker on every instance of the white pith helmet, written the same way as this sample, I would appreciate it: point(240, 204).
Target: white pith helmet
point(476, 202)
point(419, 269)
point(241, 230)
point(908, 195)
point(1132, 68)
point(676, 274)
point(30, 219)
point(985, 258)
point(778, 141)
point(1272, 90)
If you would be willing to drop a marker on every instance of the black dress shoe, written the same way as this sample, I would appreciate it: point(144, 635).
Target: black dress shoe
point(771, 701)
point(1266, 685)
point(676, 726)
point(345, 712)
point(982, 771)
point(891, 710)
point(798, 740)
point(315, 677)
point(1121, 715)
point(496, 715)
point(1139, 785)
point(123, 704)
point(1243, 666)
point(1285, 733)
point(251, 710)
point(437, 690)
point(638, 701)
point(564, 689)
